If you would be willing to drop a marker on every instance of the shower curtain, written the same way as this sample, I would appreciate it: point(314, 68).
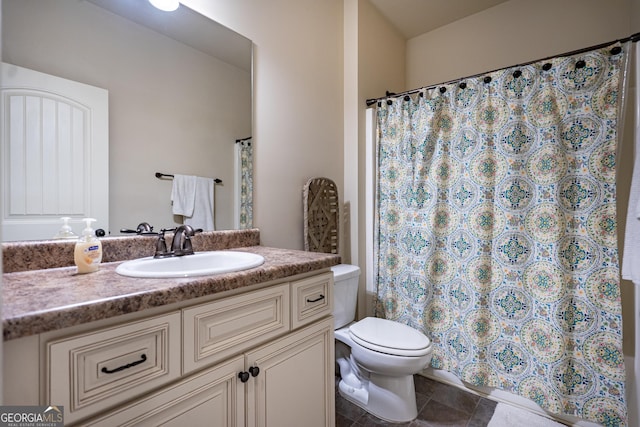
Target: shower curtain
point(496, 229)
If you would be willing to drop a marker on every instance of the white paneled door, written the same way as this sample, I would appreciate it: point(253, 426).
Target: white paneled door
point(55, 153)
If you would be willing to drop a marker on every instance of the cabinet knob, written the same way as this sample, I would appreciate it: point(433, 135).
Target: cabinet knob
point(244, 376)
point(254, 370)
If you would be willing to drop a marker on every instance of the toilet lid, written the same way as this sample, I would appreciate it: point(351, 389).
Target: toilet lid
point(389, 337)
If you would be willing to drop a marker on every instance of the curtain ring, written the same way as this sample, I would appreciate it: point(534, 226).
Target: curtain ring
point(517, 73)
point(580, 64)
point(462, 85)
point(443, 89)
point(546, 66)
point(487, 79)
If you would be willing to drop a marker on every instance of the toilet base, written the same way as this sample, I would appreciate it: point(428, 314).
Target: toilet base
point(388, 398)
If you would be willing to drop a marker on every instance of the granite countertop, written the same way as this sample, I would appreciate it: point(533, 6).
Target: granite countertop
point(37, 301)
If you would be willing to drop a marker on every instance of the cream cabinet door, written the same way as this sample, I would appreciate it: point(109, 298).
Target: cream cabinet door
point(295, 385)
point(213, 397)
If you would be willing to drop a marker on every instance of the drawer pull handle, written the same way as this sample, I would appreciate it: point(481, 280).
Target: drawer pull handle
point(244, 376)
point(320, 298)
point(254, 371)
point(143, 357)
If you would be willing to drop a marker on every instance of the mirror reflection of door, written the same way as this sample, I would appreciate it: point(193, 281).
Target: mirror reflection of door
point(179, 85)
point(55, 153)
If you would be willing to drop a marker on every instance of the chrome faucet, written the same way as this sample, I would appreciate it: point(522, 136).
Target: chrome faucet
point(143, 228)
point(181, 244)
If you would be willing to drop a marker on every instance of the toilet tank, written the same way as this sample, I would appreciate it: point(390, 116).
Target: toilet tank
point(345, 293)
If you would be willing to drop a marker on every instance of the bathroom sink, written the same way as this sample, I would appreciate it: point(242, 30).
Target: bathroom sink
point(198, 264)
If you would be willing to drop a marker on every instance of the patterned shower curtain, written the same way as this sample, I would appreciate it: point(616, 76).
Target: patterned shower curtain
point(246, 184)
point(496, 229)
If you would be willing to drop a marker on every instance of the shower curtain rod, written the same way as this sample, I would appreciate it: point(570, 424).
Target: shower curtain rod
point(634, 38)
point(243, 140)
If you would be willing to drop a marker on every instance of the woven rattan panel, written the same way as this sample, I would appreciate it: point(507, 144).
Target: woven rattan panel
point(321, 216)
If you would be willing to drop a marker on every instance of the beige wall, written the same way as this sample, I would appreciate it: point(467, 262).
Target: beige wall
point(374, 62)
point(634, 16)
point(520, 31)
point(298, 102)
point(188, 127)
point(513, 32)
point(381, 53)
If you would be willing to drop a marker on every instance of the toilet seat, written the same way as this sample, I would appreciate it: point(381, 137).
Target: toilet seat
point(389, 337)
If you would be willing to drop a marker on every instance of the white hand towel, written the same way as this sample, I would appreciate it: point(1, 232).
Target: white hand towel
point(202, 216)
point(631, 257)
point(183, 194)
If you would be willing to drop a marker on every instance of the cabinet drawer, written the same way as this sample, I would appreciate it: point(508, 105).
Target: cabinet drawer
point(312, 299)
point(214, 331)
point(91, 372)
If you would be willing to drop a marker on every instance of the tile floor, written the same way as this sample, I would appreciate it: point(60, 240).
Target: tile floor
point(438, 405)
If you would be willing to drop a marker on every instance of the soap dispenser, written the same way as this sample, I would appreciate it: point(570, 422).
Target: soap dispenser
point(88, 251)
point(65, 231)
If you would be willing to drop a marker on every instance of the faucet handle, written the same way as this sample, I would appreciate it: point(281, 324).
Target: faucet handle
point(187, 246)
point(161, 245)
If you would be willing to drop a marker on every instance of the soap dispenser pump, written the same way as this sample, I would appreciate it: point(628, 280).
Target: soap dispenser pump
point(88, 251)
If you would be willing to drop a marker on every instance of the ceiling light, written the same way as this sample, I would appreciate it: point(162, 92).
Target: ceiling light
point(166, 5)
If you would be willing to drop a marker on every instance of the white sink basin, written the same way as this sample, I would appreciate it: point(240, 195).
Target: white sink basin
point(198, 264)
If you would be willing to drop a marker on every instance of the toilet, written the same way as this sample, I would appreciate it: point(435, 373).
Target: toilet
point(377, 358)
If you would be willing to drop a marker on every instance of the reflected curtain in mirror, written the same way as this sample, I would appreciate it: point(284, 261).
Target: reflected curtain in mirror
point(245, 183)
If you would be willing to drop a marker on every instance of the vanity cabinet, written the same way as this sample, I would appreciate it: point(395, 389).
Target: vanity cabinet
point(292, 387)
point(264, 357)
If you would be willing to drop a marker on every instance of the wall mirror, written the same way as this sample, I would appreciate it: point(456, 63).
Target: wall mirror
point(179, 96)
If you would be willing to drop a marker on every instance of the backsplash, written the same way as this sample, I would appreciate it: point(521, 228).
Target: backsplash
point(38, 255)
